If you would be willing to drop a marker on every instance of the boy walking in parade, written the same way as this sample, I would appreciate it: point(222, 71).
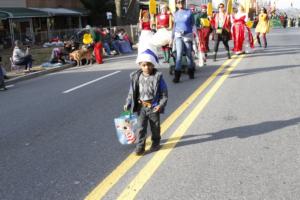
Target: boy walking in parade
point(148, 95)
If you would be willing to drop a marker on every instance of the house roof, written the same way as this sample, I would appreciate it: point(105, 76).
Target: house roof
point(17, 12)
point(63, 11)
point(3, 15)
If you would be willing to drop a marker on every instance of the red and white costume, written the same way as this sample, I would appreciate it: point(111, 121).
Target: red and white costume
point(146, 26)
point(146, 33)
point(163, 35)
point(163, 20)
point(241, 33)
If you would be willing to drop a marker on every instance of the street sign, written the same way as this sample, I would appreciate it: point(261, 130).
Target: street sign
point(109, 15)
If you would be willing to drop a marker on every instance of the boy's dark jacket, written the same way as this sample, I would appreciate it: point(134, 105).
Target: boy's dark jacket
point(160, 90)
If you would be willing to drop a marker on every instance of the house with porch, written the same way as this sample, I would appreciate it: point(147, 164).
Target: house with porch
point(38, 21)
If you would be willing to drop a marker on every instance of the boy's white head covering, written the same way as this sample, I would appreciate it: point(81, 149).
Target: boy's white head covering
point(148, 56)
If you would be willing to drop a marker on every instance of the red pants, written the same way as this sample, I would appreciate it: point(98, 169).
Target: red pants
point(98, 52)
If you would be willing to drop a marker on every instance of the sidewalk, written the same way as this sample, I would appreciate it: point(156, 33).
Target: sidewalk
point(16, 76)
point(36, 71)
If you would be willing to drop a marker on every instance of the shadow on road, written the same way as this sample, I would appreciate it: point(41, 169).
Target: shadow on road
point(246, 72)
point(238, 132)
point(262, 53)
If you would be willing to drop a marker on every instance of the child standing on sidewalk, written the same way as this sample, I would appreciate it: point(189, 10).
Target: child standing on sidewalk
point(148, 95)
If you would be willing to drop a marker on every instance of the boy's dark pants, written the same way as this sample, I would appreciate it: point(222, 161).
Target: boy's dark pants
point(144, 115)
point(221, 37)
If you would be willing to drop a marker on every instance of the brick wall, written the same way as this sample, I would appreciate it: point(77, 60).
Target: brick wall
point(54, 3)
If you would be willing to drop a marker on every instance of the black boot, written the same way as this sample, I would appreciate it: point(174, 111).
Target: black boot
point(140, 148)
point(215, 56)
point(265, 45)
point(258, 41)
point(191, 73)
point(2, 86)
point(228, 54)
point(2, 83)
point(177, 76)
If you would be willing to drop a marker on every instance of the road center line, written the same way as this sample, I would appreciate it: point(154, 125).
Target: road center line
point(90, 82)
point(149, 169)
point(100, 190)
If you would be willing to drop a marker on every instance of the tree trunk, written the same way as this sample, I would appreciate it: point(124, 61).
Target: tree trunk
point(118, 4)
point(132, 12)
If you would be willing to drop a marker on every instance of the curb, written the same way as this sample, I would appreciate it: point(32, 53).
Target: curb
point(37, 74)
point(50, 70)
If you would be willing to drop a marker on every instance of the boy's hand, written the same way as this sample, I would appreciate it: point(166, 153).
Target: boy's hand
point(156, 109)
point(126, 107)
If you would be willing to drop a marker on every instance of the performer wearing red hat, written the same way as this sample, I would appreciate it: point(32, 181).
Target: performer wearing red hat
point(204, 29)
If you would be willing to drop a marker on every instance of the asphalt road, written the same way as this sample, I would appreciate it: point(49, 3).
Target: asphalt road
point(57, 139)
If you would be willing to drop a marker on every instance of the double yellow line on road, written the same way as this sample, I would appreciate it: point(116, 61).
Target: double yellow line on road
point(137, 183)
point(145, 174)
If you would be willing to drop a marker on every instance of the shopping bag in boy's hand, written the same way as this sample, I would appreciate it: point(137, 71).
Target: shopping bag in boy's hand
point(126, 126)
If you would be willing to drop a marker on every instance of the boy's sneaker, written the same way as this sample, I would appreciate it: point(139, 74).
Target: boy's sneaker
point(154, 147)
point(139, 151)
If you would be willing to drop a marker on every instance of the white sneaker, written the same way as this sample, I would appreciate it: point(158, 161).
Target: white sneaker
point(201, 64)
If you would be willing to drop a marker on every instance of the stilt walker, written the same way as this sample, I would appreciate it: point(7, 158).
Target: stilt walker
point(164, 25)
point(145, 29)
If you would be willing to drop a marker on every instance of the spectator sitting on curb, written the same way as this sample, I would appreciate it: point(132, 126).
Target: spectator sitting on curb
point(57, 56)
point(20, 57)
point(121, 42)
point(107, 40)
point(2, 76)
point(116, 42)
point(126, 37)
